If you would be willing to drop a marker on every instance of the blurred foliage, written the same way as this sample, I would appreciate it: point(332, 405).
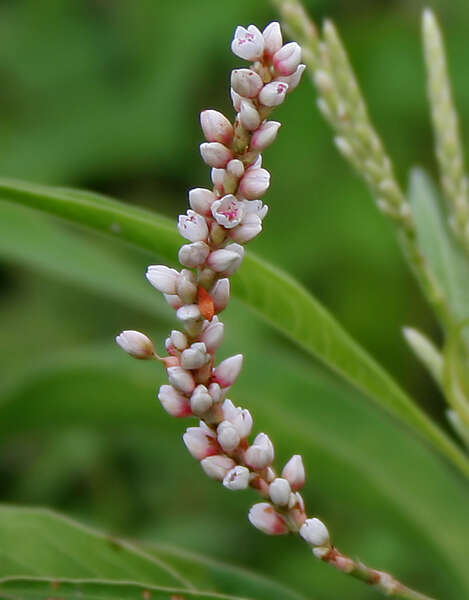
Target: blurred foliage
point(105, 95)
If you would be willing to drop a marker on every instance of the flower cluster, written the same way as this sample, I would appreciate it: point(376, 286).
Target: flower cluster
point(216, 226)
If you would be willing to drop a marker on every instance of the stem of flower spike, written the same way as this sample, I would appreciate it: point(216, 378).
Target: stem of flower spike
point(381, 581)
point(342, 104)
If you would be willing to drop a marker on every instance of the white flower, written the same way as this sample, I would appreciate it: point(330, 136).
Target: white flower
point(248, 43)
point(192, 227)
point(136, 344)
point(237, 478)
point(272, 39)
point(228, 211)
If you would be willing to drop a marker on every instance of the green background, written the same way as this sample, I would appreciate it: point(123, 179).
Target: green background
point(105, 96)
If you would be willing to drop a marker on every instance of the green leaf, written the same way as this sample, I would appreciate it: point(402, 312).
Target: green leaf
point(64, 558)
point(34, 589)
point(436, 243)
point(357, 480)
point(272, 294)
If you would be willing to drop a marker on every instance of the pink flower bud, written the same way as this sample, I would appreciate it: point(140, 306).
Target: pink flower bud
point(186, 290)
point(216, 127)
point(248, 43)
point(280, 491)
point(248, 116)
point(201, 400)
point(228, 211)
point(267, 519)
point(181, 379)
point(174, 402)
point(215, 154)
point(254, 183)
point(195, 356)
point(218, 177)
point(236, 99)
point(199, 444)
point(193, 255)
point(294, 472)
point(228, 436)
point(178, 340)
point(287, 59)
point(236, 168)
point(224, 261)
point(255, 207)
point(315, 532)
point(292, 80)
point(272, 39)
point(212, 336)
point(261, 453)
point(240, 418)
point(173, 300)
point(200, 200)
point(249, 228)
point(136, 344)
point(237, 478)
point(162, 278)
point(265, 135)
point(220, 294)
point(246, 82)
point(192, 227)
point(187, 313)
point(215, 392)
point(273, 93)
point(217, 466)
point(228, 370)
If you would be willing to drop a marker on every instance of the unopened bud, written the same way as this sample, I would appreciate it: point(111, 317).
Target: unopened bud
point(187, 313)
point(265, 135)
point(216, 127)
point(224, 261)
point(280, 491)
point(178, 340)
point(294, 472)
point(235, 168)
point(248, 116)
point(162, 278)
point(174, 402)
point(267, 519)
point(195, 356)
point(273, 94)
point(200, 200)
point(273, 40)
point(181, 379)
point(227, 371)
point(215, 154)
point(212, 336)
point(228, 436)
point(261, 453)
point(292, 80)
point(254, 183)
point(250, 226)
point(217, 466)
point(246, 83)
point(315, 532)
point(199, 444)
point(193, 255)
point(136, 344)
point(287, 59)
point(201, 400)
point(220, 294)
